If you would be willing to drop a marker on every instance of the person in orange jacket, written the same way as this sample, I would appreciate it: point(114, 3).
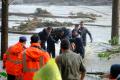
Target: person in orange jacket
point(33, 58)
point(10, 59)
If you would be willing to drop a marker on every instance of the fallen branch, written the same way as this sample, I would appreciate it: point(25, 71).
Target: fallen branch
point(95, 73)
point(20, 32)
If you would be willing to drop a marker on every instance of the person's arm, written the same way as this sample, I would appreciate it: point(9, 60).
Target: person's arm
point(53, 39)
point(82, 69)
point(89, 35)
point(58, 62)
point(82, 76)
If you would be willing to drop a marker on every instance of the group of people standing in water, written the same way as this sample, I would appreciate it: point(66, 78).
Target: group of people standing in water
point(77, 38)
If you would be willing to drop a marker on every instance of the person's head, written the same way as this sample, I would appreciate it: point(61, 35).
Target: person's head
point(76, 26)
point(62, 32)
point(81, 24)
point(48, 30)
point(114, 71)
point(65, 44)
point(74, 33)
point(22, 39)
point(35, 39)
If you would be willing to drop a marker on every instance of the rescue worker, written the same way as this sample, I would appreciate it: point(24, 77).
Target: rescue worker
point(79, 48)
point(33, 58)
point(69, 63)
point(43, 35)
point(76, 28)
point(11, 59)
point(65, 34)
point(83, 31)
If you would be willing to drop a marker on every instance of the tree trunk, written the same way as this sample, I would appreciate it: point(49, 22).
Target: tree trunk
point(4, 27)
point(115, 22)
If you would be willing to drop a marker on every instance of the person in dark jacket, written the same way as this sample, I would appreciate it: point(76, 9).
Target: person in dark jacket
point(79, 48)
point(51, 45)
point(64, 33)
point(83, 31)
point(67, 33)
point(76, 28)
point(114, 72)
point(43, 35)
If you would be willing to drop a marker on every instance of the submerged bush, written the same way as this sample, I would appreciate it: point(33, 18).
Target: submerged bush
point(40, 11)
point(104, 54)
point(107, 54)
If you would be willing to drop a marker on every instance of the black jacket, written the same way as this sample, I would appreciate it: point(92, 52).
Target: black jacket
point(79, 46)
point(43, 35)
point(83, 31)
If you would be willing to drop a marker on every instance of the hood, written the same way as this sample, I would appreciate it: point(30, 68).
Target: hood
point(17, 48)
point(35, 44)
point(33, 51)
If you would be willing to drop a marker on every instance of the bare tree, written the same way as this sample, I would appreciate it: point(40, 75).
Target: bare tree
point(115, 22)
point(4, 27)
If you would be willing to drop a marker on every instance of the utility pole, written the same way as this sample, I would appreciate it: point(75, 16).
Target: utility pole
point(115, 22)
point(4, 27)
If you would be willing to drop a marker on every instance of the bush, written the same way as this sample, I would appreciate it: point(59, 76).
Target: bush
point(114, 41)
point(40, 11)
point(104, 54)
point(108, 53)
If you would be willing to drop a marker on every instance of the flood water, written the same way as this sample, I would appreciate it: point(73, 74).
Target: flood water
point(101, 35)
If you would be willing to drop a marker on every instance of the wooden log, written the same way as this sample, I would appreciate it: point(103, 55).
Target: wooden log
point(20, 32)
point(95, 73)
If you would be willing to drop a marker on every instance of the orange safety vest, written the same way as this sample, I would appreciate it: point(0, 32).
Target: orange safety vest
point(11, 60)
point(32, 59)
